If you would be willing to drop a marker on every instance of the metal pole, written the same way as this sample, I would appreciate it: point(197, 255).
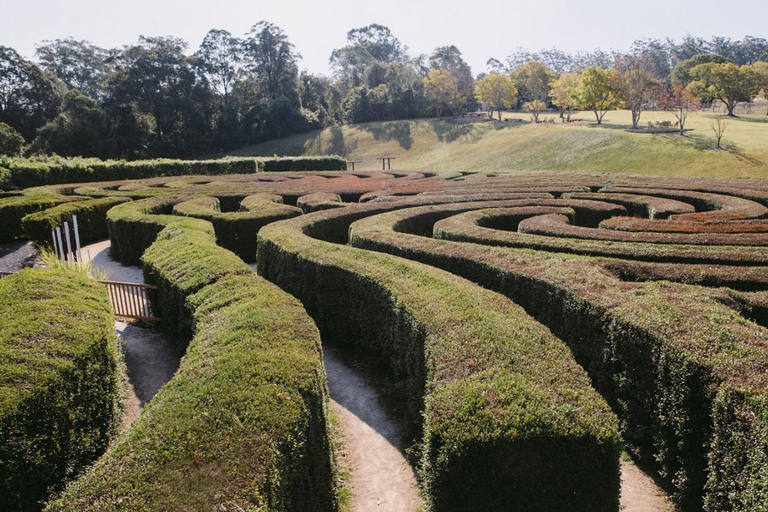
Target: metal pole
point(69, 243)
point(77, 239)
point(61, 244)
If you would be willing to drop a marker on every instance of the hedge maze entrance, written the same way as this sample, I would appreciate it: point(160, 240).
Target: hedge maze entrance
point(534, 325)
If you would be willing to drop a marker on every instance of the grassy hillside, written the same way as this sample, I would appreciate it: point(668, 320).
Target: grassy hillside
point(518, 144)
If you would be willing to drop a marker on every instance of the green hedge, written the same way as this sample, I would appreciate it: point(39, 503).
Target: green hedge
point(91, 219)
point(237, 231)
point(23, 173)
point(134, 226)
point(35, 172)
point(305, 163)
point(183, 259)
point(14, 209)
point(242, 425)
point(508, 420)
point(665, 355)
point(60, 382)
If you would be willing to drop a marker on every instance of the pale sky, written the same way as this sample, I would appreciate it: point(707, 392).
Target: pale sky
point(480, 29)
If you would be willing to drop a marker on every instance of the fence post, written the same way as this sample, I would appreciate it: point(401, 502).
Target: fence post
point(77, 239)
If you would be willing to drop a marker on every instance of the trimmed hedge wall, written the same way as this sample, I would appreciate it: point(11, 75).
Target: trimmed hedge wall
point(14, 209)
point(91, 219)
point(183, 259)
point(29, 173)
point(508, 419)
point(305, 163)
point(134, 226)
point(665, 355)
point(60, 382)
point(24, 173)
point(237, 231)
point(242, 425)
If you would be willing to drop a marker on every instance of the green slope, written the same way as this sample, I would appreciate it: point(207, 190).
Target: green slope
point(518, 144)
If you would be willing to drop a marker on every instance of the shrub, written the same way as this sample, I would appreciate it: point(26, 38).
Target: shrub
point(60, 382)
point(13, 209)
point(241, 425)
point(91, 219)
point(509, 419)
point(183, 259)
point(660, 352)
point(305, 163)
point(237, 231)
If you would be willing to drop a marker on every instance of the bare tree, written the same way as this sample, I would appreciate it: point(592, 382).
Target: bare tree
point(718, 126)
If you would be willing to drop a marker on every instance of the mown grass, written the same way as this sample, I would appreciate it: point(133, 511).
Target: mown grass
point(430, 144)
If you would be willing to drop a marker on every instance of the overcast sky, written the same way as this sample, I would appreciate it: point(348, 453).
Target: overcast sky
point(480, 29)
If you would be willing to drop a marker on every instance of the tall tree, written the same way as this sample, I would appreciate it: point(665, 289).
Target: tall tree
point(219, 58)
point(273, 61)
point(596, 93)
point(497, 91)
point(155, 78)
point(682, 72)
point(635, 84)
point(79, 65)
point(442, 90)
point(29, 96)
point(532, 80)
point(448, 58)
point(679, 100)
point(564, 94)
point(727, 82)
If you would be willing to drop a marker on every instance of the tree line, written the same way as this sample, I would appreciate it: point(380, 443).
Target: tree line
point(156, 98)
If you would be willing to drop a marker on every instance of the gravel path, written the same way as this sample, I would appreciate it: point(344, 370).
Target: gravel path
point(149, 358)
point(17, 255)
point(98, 254)
point(380, 477)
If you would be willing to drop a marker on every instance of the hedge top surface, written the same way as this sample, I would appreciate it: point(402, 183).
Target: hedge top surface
point(49, 318)
point(478, 345)
point(695, 320)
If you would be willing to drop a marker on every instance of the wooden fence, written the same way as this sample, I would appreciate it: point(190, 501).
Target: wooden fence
point(131, 300)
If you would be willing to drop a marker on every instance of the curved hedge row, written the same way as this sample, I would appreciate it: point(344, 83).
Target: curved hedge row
point(237, 231)
point(91, 219)
point(468, 227)
point(509, 419)
point(60, 382)
point(13, 209)
point(662, 353)
point(242, 424)
point(319, 201)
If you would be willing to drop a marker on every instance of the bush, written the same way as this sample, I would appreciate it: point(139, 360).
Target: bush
point(183, 259)
point(305, 163)
point(48, 171)
point(508, 419)
point(11, 141)
point(242, 424)
point(60, 382)
point(659, 352)
point(134, 226)
point(237, 231)
point(91, 219)
point(14, 209)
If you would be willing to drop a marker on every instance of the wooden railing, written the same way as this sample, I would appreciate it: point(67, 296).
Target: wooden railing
point(131, 300)
point(3, 274)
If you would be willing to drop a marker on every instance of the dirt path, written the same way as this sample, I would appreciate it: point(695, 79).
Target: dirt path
point(639, 493)
point(98, 254)
point(380, 477)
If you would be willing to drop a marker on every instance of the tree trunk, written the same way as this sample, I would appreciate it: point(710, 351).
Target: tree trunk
point(599, 119)
point(731, 105)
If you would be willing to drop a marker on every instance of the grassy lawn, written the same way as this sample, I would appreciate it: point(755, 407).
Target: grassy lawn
point(518, 144)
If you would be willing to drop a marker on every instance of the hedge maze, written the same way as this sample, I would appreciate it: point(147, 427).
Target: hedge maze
point(535, 325)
